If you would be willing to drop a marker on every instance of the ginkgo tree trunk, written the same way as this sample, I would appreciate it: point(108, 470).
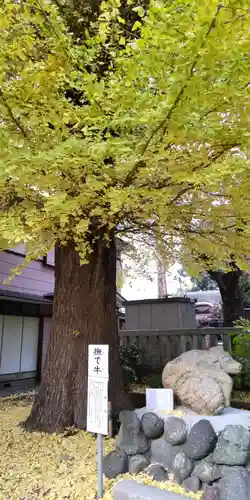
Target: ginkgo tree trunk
point(84, 313)
point(118, 119)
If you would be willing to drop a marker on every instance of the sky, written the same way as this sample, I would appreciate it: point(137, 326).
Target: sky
point(135, 286)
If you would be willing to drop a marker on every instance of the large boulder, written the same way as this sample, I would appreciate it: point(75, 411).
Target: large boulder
point(232, 446)
point(201, 440)
point(200, 379)
point(131, 439)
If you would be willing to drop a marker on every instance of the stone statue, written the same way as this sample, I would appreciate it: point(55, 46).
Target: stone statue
point(200, 379)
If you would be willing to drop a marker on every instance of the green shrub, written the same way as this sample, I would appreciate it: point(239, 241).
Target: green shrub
point(129, 356)
point(241, 352)
point(153, 380)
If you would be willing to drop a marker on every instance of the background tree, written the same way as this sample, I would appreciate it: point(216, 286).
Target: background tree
point(231, 295)
point(118, 120)
point(231, 284)
point(234, 287)
point(203, 283)
point(245, 289)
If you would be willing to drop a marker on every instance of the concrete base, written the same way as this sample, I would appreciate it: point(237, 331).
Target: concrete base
point(131, 490)
point(230, 416)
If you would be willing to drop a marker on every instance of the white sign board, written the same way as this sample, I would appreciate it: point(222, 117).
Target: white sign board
point(97, 415)
point(159, 399)
point(97, 411)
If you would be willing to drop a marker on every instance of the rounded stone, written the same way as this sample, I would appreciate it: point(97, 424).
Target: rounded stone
point(115, 463)
point(206, 471)
point(152, 425)
point(182, 466)
point(131, 439)
point(175, 430)
point(192, 484)
point(162, 452)
point(137, 463)
point(130, 421)
point(211, 493)
point(157, 472)
point(201, 440)
point(234, 484)
point(131, 443)
point(232, 446)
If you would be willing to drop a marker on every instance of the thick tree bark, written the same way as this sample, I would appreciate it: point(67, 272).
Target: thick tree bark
point(232, 301)
point(84, 313)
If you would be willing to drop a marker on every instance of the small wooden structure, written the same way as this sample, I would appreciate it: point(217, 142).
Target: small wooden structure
point(166, 313)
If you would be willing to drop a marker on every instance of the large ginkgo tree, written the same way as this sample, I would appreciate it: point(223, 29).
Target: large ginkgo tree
point(118, 118)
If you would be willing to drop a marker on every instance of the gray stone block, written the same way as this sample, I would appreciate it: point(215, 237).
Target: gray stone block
point(131, 490)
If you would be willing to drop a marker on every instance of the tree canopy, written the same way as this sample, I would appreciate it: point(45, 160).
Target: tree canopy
point(121, 117)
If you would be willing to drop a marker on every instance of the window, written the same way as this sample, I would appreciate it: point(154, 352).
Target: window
point(49, 259)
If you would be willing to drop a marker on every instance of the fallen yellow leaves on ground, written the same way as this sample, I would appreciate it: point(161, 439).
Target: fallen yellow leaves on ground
point(40, 466)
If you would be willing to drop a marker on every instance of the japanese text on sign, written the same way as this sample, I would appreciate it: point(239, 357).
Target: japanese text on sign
point(97, 414)
point(98, 361)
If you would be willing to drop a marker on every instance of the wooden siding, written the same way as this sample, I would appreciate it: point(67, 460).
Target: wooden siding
point(164, 314)
point(36, 278)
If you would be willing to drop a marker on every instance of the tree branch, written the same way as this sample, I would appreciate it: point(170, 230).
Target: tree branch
point(163, 124)
point(181, 193)
point(183, 88)
point(15, 120)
